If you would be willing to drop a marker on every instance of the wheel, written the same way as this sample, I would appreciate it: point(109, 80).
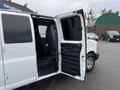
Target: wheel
point(90, 62)
point(102, 38)
point(108, 39)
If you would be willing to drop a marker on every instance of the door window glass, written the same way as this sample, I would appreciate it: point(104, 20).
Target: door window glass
point(72, 29)
point(17, 29)
point(42, 30)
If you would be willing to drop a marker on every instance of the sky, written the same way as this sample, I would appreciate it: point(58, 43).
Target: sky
point(56, 7)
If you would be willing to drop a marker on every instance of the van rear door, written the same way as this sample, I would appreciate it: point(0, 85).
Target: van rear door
point(18, 48)
point(72, 44)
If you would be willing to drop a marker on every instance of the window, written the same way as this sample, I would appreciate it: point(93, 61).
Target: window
point(17, 29)
point(72, 29)
point(42, 30)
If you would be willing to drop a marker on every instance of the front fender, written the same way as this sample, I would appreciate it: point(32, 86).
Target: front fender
point(91, 46)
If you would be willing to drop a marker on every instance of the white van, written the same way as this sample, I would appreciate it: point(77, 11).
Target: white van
point(92, 54)
point(34, 47)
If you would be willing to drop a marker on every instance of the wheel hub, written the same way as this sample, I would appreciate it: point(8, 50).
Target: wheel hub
point(90, 63)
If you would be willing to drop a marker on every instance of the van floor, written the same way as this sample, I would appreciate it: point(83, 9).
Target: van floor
point(45, 72)
point(45, 67)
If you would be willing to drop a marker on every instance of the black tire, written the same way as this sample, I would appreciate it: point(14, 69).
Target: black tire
point(91, 63)
point(108, 39)
point(102, 38)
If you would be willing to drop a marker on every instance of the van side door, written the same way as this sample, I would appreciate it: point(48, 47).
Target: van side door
point(72, 44)
point(18, 49)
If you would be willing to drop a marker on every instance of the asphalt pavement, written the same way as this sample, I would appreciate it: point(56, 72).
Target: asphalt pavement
point(105, 75)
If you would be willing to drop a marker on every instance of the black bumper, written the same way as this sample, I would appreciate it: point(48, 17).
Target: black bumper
point(96, 56)
point(114, 40)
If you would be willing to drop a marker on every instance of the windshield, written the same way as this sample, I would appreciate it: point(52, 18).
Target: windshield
point(113, 32)
point(92, 34)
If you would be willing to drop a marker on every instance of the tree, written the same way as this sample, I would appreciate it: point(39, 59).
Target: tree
point(104, 11)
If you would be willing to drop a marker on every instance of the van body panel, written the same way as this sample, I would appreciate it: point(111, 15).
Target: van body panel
point(19, 58)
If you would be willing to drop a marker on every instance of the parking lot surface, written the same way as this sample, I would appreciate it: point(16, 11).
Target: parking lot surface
point(105, 76)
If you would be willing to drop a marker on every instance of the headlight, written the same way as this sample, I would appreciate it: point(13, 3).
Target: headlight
point(97, 37)
point(111, 36)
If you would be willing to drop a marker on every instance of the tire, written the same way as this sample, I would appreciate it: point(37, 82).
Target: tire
point(90, 62)
point(102, 38)
point(108, 39)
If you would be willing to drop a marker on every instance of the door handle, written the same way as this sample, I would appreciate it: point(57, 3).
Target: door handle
point(6, 76)
point(83, 56)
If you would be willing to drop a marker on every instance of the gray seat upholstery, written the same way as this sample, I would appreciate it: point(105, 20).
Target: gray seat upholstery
point(51, 37)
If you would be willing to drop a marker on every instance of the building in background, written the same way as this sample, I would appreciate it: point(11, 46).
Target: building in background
point(8, 4)
point(107, 21)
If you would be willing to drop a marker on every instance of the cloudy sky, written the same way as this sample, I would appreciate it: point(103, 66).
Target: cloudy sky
point(55, 7)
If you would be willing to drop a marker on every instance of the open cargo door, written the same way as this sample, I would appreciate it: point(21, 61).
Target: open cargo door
point(72, 44)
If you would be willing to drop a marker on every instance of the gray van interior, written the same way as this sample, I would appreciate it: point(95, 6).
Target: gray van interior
point(46, 45)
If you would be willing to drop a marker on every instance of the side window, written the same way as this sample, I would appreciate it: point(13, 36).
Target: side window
point(42, 30)
point(17, 29)
point(72, 29)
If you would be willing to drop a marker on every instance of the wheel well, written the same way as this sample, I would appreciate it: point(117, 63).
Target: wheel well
point(92, 52)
